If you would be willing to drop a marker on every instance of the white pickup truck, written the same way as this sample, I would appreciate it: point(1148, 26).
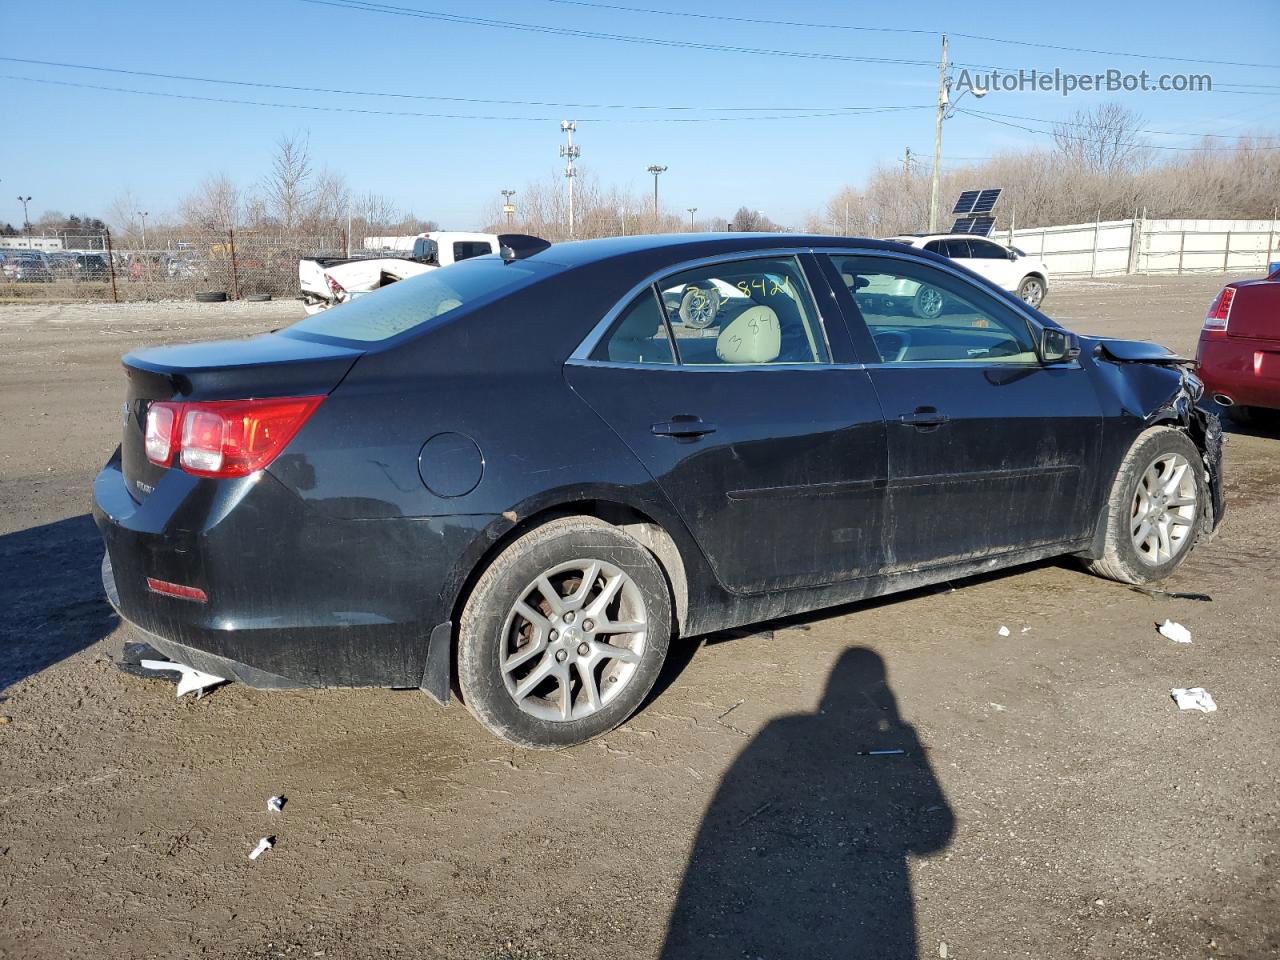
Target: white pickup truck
point(329, 281)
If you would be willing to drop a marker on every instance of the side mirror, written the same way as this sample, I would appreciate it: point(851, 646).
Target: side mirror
point(1013, 254)
point(1058, 346)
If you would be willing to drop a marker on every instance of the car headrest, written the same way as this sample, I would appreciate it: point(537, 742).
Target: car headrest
point(637, 325)
point(752, 337)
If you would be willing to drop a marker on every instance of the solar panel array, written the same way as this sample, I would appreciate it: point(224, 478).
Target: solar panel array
point(979, 226)
point(973, 202)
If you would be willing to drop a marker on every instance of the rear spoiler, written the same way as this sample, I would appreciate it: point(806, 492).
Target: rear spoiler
point(517, 246)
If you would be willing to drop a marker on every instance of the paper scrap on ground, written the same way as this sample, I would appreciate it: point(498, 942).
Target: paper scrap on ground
point(265, 844)
point(1175, 632)
point(1193, 698)
point(275, 804)
point(190, 679)
point(1003, 631)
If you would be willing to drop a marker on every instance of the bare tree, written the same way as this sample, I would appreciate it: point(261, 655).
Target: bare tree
point(747, 220)
point(1104, 140)
point(288, 188)
point(214, 206)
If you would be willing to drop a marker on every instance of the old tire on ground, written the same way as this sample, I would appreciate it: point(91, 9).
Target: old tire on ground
point(211, 296)
point(1154, 510)
point(1031, 290)
point(543, 661)
point(928, 302)
point(258, 297)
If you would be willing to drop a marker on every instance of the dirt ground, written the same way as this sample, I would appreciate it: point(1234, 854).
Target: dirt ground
point(1053, 802)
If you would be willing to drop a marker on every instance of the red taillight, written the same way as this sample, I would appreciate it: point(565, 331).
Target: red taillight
point(1220, 309)
point(176, 590)
point(225, 438)
point(335, 287)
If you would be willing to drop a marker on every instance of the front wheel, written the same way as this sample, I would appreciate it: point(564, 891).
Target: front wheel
point(927, 303)
point(564, 634)
point(1031, 291)
point(1153, 513)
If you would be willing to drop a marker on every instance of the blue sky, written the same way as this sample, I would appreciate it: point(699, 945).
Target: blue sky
point(75, 149)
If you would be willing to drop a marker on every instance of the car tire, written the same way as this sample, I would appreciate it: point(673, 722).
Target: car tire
point(928, 302)
point(699, 306)
point(1031, 291)
point(510, 666)
point(258, 297)
point(1133, 515)
point(211, 296)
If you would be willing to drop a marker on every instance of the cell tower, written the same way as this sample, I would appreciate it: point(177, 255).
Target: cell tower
point(570, 153)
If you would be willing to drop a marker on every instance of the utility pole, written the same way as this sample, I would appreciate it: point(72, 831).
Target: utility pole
point(144, 214)
point(907, 160)
point(507, 206)
point(656, 170)
point(937, 137)
point(692, 211)
point(26, 220)
point(570, 154)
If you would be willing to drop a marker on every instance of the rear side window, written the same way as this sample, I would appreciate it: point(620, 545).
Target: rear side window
point(638, 336)
point(385, 313)
point(754, 311)
point(466, 249)
point(956, 249)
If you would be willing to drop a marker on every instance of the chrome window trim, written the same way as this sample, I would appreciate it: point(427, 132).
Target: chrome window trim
point(582, 354)
point(712, 367)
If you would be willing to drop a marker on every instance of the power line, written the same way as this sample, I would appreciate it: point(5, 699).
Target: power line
point(369, 7)
point(935, 33)
point(419, 96)
point(1074, 123)
point(447, 116)
point(1067, 136)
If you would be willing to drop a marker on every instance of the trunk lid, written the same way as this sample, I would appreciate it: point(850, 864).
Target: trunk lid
point(1255, 310)
point(275, 365)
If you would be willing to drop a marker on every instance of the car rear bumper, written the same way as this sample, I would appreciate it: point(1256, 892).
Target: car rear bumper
point(295, 599)
point(1245, 369)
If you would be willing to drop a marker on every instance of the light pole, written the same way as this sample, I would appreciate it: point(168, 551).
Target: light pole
point(26, 220)
point(656, 170)
point(692, 211)
point(946, 107)
point(144, 214)
point(507, 206)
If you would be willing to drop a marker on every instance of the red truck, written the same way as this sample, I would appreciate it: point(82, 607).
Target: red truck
point(1239, 352)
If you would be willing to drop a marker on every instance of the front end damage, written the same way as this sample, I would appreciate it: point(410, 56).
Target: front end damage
point(1156, 386)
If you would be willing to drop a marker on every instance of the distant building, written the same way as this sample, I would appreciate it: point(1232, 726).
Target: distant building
point(46, 244)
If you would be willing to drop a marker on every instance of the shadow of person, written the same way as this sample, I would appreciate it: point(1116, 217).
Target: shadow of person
point(803, 851)
point(51, 594)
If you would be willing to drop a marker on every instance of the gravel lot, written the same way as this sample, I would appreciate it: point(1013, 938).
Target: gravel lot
point(1053, 802)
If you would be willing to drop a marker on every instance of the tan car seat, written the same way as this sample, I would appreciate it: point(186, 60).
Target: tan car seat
point(634, 341)
point(752, 337)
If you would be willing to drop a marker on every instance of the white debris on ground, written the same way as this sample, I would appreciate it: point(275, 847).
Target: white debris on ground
point(265, 844)
point(190, 678)
point(1003, 631)
point(1175, 632)
point(1193, 698)
point(275, 804)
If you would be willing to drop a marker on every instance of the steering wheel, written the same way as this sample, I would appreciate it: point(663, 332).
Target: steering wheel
point(892, 344)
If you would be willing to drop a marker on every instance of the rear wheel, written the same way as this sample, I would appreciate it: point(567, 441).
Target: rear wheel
point(1031, 291)
point(927, 303)
point(564, 634)
point(1153, 513)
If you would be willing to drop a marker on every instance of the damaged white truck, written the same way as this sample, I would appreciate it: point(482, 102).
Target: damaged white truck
point(328, 281)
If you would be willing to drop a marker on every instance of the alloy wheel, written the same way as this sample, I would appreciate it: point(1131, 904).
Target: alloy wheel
point(573, 640)
point(1163, 513)
point(1032, 292)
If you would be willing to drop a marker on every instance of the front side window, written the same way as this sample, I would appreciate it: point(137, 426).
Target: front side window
point(755, 311)
point(639, 335)
point(982, 250)
point(917, 313)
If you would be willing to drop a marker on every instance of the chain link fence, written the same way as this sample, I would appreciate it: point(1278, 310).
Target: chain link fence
point(172, 265)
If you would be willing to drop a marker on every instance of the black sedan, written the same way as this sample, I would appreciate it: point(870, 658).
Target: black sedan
point(523, 476)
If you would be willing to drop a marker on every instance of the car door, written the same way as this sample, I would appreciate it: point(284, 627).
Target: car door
point(992, 261)
point(989, 449)
point(770, 444)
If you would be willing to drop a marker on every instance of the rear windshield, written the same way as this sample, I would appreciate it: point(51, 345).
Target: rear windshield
point(382, 314)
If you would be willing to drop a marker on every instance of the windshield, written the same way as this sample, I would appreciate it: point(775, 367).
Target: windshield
point(411, 303)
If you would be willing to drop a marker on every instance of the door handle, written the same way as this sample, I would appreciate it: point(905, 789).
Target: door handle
point(924, 417)
point(683, 427)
